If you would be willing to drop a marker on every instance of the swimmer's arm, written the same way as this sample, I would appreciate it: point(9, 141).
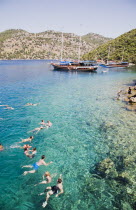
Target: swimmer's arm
point(46, 164)
point(61, 191)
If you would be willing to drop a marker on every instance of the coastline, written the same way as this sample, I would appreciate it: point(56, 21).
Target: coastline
point(128, 96)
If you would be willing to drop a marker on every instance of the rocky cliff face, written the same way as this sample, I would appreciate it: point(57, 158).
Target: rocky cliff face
point(19, 44)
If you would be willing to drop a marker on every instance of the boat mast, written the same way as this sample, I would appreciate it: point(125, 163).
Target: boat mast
point(123, 54)
point(79, 51)
point(108, 54)
point(61, 46)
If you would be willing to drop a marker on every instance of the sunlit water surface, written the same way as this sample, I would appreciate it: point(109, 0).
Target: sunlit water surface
point(77, 104)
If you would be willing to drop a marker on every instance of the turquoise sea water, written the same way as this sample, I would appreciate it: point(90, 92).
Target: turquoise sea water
point(77, 104)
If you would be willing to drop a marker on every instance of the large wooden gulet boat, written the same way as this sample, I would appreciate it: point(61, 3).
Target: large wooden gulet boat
point(84, 66)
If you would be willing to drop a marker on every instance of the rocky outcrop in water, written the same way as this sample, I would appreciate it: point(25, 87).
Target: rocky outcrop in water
point(129, 97)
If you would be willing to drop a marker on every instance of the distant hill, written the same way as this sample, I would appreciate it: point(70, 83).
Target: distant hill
point(96, 39)
point(20, 44)
point(123, 47)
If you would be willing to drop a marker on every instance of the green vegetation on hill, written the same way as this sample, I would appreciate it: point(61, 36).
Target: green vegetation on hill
point(121, 48)
point(20, 44)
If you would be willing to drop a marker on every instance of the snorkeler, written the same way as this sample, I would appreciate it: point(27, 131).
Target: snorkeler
point(28, 139)
point(48, 178)
point(57, 189)
point(36, 165)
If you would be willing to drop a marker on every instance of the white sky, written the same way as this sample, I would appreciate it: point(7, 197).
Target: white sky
point(109, 18)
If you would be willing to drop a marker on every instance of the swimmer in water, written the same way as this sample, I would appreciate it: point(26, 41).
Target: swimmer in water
point(9, 107)
point(26, 146)
point(26, 152)
point(1, 147)
point(30, 104)
point(42, 122)
point(48, 124)
point(57, 189)
point(4, 105)
point(36, 165)
point(36, 130)
point(34, 152)
point(47, 177)
point(28, 139)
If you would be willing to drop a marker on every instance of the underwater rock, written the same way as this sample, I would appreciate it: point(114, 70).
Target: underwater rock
point(129, 191)
point(106, 125)
point(129, 160)
point(126, 206)
point(122, 180)
point(119, 162)
point(106, 168)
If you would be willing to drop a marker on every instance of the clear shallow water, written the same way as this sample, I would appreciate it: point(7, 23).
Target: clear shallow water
point(77, 104)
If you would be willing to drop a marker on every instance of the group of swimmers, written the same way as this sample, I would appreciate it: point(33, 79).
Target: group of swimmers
point(11, 108)
point(56, 189)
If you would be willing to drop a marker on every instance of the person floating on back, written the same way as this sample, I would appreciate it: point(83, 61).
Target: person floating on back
point(56, 189)
point(36, 165)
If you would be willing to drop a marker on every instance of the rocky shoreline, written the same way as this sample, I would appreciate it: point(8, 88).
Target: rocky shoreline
point(129, 97)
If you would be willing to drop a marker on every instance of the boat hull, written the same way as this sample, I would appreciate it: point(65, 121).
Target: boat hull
point(58, 67)
point(115, 65)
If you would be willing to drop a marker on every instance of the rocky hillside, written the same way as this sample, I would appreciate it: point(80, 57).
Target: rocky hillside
point(121, 48)
point(19, 44)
